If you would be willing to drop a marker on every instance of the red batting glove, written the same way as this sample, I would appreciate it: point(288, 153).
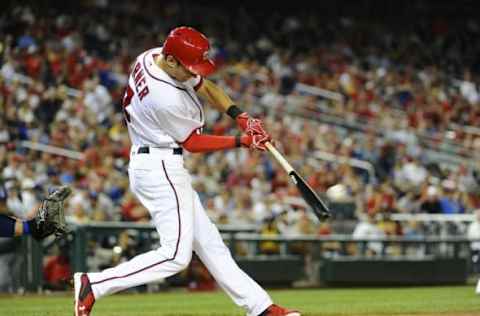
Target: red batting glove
point(251, 126)
point(256, 141)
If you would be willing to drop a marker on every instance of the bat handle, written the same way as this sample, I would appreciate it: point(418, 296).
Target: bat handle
point(279, 157)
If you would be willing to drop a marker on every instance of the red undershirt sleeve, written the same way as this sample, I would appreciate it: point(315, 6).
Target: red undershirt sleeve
point(197, 143)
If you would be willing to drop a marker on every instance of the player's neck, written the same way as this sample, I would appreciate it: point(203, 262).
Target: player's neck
point(162, 63)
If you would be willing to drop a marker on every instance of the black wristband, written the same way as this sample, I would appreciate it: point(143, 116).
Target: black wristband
point(238, 141)
point(234, 111)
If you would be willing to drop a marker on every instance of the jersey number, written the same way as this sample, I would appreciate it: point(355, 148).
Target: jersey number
point(127, 98)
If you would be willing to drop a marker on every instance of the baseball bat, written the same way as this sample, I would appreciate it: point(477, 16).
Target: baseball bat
point(319, 207)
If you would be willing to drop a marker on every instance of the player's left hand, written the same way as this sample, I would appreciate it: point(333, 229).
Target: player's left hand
point(50, 218)
point(250, 125)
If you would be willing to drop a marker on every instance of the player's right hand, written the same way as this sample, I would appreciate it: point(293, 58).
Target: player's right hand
point(250, 125)
point(255, 142)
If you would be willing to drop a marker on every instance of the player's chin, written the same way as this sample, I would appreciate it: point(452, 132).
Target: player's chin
point(190, 76)
point(183, 78)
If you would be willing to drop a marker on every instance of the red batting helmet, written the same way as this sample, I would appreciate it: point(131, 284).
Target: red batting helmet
point(190, 48)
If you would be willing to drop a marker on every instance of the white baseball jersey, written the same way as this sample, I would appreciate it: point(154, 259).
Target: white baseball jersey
point(163, 112)
point(160, 111)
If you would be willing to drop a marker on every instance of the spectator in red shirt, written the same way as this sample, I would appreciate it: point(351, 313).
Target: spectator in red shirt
point(57, 270)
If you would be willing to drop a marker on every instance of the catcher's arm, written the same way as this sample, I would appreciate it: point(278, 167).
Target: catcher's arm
point(50, 217)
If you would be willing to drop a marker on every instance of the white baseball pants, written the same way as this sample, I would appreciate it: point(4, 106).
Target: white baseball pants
point(163, 186)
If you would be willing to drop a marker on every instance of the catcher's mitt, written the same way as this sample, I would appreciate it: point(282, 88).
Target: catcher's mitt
point(50, 218)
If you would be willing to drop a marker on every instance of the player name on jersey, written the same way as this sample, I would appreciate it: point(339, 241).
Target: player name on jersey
point(141, 86)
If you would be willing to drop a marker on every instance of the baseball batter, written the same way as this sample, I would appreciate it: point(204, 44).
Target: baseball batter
point(164, 116)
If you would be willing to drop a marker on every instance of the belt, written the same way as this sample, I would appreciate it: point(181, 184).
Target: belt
point(146, 150)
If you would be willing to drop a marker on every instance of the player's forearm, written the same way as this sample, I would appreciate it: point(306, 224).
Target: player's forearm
point(197, 143)
point(215, 95)
point(218, 98)
point(19, 228)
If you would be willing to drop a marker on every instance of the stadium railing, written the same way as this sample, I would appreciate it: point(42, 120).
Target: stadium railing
point(245, 246)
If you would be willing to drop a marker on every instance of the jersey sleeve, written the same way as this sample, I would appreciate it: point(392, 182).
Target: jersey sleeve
point(172, 122)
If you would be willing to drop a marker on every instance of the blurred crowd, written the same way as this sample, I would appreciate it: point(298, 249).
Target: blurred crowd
point(404, 89)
